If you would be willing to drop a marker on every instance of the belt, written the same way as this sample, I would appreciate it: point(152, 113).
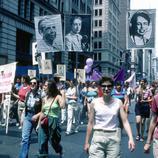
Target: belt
point(106, 131)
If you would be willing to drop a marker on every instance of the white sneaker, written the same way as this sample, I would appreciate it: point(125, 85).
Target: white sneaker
point(76, 129)
point(17, 124)
point(20, 127)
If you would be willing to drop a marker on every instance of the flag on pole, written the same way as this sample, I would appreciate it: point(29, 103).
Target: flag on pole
point(131, 78)
point(120, 76)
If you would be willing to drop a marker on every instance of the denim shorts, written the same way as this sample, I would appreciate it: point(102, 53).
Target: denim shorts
point(105, 144)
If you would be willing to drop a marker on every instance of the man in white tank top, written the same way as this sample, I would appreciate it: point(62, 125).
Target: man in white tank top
point(104, 120)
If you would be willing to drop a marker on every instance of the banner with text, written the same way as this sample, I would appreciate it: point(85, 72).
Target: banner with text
point(7, 74)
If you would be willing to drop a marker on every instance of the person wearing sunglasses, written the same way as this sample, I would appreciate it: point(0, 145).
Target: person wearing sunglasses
point(104, 122)
point(33, 103)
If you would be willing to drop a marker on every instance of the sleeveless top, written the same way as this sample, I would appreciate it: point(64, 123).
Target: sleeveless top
point(106, 116)
point(54, 111)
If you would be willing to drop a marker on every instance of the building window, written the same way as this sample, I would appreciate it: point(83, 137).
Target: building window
point(32, 10)
point(100, 44)
point(26, 6)
point(95, 34)
point(19, 7)
point(96, 23)
point(100, 12)
point(95, 56)
point(96, 12)
point(100, 22)
point(96, 2)
point(95, 45)
point(99, 56)
point(100, 33)
point(100, 1)
point(41, 12)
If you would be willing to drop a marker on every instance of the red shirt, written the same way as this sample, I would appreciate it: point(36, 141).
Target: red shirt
point(22, 92)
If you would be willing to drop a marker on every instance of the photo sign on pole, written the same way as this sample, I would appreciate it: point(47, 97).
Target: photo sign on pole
point(46, 66)
point(48, 31)
point(141, 29)
point(31, 73)
point(61, 70)
point(77, 33)
point(81, 76)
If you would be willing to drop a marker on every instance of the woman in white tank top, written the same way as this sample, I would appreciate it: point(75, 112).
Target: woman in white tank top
point(104, 120)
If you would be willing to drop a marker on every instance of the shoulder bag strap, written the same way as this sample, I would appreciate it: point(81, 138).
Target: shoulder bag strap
point(51, 105)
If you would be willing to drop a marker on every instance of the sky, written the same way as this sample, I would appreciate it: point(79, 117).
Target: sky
point(148, 4)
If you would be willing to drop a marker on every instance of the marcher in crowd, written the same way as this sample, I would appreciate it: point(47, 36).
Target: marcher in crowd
point(129, 92)
point(90, 91)
point(72, 110)
point(52, 104)
point(142, 108)
point(120, 93)
point(25, 88)
point(61, 88)
point(33, 103)
point(153, 129)
point(104, 121)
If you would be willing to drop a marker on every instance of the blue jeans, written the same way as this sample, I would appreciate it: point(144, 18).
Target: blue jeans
point(27, 128)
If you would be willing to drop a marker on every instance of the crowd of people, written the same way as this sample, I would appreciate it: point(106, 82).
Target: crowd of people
point(103, 106)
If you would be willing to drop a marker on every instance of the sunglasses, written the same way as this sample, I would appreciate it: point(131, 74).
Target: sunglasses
point(33, 82)
point(106, 86)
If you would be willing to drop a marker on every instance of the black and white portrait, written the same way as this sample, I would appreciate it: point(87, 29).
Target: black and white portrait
point(61, 70)
point(141, 28)
point(77, 33)
point(46, 66)
point(49, 33)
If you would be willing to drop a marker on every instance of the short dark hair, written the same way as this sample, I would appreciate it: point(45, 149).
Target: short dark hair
point(74, 18)
point(26, 78)
point(107, 79)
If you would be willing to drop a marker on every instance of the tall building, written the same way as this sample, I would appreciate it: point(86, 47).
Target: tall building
point(108, 38)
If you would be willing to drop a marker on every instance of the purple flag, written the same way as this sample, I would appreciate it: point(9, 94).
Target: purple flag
point(120, 76)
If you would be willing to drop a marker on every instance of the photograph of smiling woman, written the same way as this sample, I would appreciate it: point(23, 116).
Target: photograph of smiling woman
point(141, 29)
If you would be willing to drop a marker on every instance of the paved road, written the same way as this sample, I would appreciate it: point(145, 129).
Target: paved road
point(73, 145)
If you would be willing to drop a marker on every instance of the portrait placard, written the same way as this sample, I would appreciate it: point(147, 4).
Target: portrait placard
point(81, 76)
point(46, 66)
point(77, 33)
point(141, 29)
point(48, 31)
point(31, 73)
point(61, 70)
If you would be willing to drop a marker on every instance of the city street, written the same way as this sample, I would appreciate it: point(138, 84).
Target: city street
point(73, 144)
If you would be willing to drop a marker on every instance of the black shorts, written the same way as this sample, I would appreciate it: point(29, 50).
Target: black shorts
point(142, 109)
